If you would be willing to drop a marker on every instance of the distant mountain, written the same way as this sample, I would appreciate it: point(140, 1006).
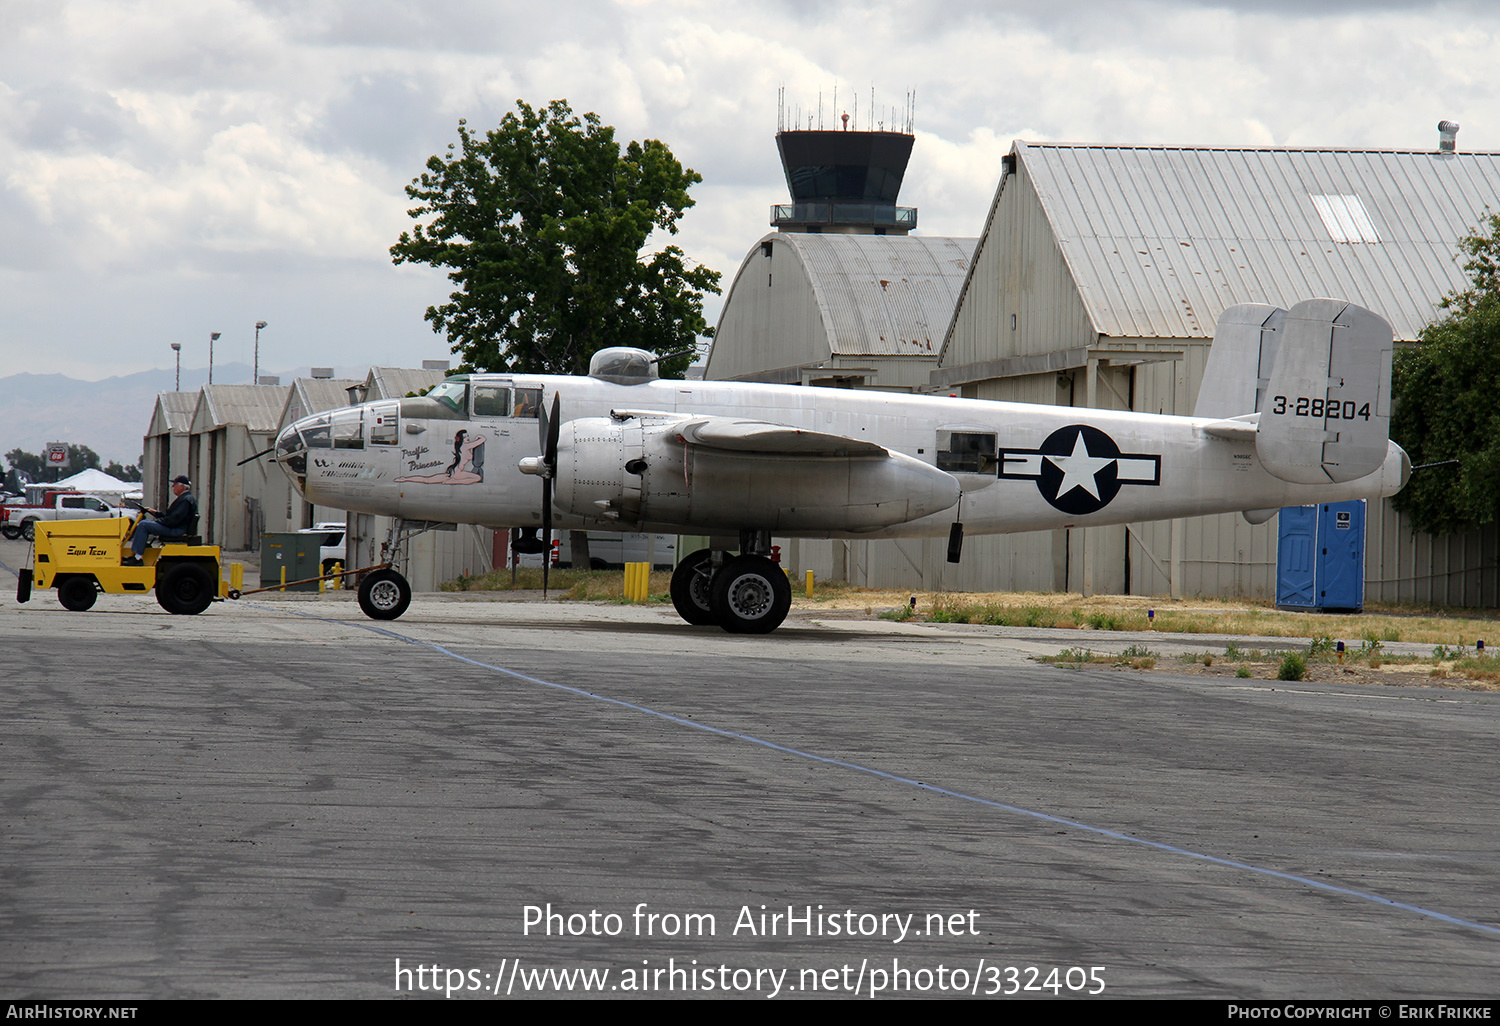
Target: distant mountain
point(109, 416)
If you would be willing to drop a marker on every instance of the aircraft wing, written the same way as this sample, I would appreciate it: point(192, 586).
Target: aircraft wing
point(709, 473)
point(758, 436)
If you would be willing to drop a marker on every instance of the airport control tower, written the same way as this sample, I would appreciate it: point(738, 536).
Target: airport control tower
point(844, 181)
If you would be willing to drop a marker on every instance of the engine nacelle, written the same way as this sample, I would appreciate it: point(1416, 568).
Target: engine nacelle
point(634, 471)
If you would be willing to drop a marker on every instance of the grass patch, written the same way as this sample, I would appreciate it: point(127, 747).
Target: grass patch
point(1137, 657)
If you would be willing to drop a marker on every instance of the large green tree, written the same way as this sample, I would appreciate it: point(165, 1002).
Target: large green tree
point(1447, 399)
point(542, 224)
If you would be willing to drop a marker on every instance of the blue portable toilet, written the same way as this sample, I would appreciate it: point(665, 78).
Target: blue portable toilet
point(1320, 557)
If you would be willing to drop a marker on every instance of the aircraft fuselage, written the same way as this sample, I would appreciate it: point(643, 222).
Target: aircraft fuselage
point(1017, 467)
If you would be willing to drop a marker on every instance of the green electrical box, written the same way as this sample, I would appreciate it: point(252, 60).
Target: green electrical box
point(297, 553)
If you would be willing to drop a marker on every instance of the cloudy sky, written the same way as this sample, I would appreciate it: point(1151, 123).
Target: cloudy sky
point(169, 168)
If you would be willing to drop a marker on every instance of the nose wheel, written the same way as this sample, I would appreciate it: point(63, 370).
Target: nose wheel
point(384, 595)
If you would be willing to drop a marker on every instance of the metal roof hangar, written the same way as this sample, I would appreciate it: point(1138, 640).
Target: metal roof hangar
point(855, 311)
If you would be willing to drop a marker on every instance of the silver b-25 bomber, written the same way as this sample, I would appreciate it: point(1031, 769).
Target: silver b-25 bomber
point(1294, 409)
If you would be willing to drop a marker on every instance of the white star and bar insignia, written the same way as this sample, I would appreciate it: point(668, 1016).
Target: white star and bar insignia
point(1079, 469)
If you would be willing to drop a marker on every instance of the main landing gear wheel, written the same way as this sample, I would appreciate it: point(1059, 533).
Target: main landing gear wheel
point(692, 588)
point(384, 595)
point(186, 589)
point(77, 593)
point(751, 595)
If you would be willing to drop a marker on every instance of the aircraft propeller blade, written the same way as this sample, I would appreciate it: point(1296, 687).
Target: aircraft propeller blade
point(553, 426)
point(548, 428)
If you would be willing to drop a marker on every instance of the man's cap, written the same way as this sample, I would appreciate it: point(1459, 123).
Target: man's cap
point(182, 479)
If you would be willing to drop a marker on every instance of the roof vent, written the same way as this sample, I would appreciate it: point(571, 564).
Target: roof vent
point(322, 372)
point(441, 365)
point(268, 379)
point(1447, 136)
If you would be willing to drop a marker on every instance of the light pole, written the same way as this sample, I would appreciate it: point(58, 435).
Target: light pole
point(177, 348)
point(212, 338)
point(255, 377)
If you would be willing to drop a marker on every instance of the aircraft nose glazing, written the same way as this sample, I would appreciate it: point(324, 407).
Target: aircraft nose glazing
point(291, 453)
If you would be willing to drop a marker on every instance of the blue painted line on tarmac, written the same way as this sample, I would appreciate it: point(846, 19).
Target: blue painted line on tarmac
point(932, 788)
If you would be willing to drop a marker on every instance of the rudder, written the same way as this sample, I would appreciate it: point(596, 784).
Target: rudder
point(1326, 413)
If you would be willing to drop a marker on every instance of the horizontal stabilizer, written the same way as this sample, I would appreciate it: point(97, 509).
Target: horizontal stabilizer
point(1326, 412)
point(1236, 429)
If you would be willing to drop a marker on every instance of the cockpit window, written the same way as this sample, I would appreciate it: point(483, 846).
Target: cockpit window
point(316, 434)
point(528, 402)
point(491, 401)
point(452, 394)
point(348, 430)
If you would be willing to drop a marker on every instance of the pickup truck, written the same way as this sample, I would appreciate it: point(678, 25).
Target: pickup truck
point(18, 521)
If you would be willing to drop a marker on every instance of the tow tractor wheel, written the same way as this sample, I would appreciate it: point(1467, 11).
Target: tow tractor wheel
point(77, 592)
point(692, 588)
point(751, 595)
point(384, 595)
point(185, 588)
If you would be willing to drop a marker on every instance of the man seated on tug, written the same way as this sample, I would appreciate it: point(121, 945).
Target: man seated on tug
point(176, 522)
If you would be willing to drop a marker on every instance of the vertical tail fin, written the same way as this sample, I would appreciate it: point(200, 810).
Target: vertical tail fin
point(1240, 360)
point(1326, 412)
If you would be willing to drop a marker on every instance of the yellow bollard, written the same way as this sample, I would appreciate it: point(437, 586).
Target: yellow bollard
point(283, 577)
point(809, 584)
point(237, 576)
point(637, 581)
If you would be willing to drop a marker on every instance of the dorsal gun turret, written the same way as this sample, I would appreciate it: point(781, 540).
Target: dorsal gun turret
point(623, 366)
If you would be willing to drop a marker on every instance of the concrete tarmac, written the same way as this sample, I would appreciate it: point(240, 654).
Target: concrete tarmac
point(282, 799)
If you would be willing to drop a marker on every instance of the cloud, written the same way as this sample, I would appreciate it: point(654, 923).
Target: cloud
point(169, 156)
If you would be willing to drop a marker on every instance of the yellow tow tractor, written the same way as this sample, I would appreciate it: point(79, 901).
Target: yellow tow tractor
point(81, 558)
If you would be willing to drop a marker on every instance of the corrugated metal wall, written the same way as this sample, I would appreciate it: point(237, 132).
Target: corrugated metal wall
point(771, 318)
point(1018, 270)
